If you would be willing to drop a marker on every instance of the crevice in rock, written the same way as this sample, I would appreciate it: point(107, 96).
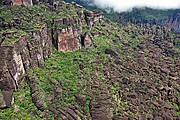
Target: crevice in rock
point(23, 63)
point(15, 82)
point(2, 41)
point(54, 40)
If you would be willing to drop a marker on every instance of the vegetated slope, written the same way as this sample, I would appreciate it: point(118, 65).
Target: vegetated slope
point(146, 15)
point(88, 4)
point(129, 72)
point(169, 18)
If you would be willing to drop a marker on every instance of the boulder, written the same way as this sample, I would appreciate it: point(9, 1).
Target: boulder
point(2, 102)
point(86, 40)
point(110, 52)
point(81, 99)
point(6, 99)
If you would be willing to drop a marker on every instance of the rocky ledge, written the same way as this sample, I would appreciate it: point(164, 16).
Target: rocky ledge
point(28, 33)
point(61, 61)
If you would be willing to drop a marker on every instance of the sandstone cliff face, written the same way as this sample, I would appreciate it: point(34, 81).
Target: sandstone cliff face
point(67, 41)
point(27, 49)
point(132, 68)
point(22, 2)
point(67, 32)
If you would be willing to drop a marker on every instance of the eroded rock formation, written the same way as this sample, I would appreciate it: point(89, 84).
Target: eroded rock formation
point(16, 58)
point(130, 72)
point(67, 32)
point(21, 50)
point(86, 40)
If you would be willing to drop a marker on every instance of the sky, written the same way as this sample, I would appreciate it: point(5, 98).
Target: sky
point(127, 5)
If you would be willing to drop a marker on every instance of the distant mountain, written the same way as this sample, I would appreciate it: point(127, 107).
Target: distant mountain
point(169, 18)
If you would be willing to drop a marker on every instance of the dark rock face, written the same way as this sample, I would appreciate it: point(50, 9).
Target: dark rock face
point(6, 99)
point(111, 52)
point(101, 108)
point(15, 59)
point(81, 99)
point(12, 67)
point(28, 51)
point(93, 16)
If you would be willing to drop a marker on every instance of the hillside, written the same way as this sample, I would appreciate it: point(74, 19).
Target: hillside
point(66, 62)
point(169, 18)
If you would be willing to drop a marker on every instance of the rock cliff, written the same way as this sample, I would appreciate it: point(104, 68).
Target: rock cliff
point(25, 45)
point(61, 61)
point(67, 31)
point(29, 50)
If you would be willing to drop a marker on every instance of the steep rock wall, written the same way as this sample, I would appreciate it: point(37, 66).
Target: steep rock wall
point(67, 40)
point(68, 31)
point(27, 49)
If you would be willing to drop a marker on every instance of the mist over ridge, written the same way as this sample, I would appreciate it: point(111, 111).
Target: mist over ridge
point(127, 5)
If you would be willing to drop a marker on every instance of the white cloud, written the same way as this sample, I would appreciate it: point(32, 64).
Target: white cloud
point(124, 5)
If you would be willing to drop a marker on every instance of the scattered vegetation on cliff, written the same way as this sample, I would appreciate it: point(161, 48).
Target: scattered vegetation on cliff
point(11, 36)
point(23, 108)
point(169, 18)
point(128, 72)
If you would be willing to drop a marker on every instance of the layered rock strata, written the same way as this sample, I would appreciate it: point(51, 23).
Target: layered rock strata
point(27, 48)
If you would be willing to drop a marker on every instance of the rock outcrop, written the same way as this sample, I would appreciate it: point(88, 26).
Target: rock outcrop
point(67, 31)
point(37, 93)
point(6, 99)
point(18, 2)
point(86, 40)
point(27, 48)
point(129, 72)
point(27, 51)
point(67, 40)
